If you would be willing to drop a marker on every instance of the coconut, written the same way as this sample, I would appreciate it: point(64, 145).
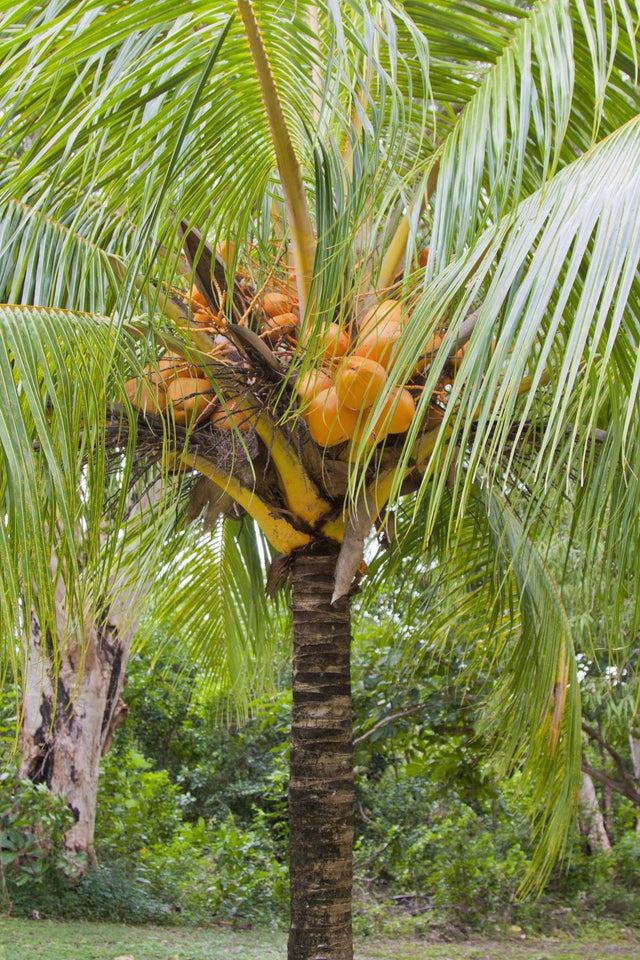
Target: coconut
point(359, 380)
point(234, 413)
point(329, 421)
point(380, 329)
point(169, 367)
point(191, 397)
point(283, 324)
point(334, 342)
point(275, 303)
point(397, 413)
point(148, 397)
point(311, 383)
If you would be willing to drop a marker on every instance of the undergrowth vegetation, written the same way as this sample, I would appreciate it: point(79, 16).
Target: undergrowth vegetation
point(192, 817)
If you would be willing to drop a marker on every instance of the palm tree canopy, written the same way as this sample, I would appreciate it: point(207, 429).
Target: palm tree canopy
point(505, 136)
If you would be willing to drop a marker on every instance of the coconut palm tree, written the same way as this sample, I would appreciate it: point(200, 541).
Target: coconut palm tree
point(214, 259)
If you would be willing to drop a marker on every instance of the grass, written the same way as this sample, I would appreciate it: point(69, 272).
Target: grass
point(51, 940)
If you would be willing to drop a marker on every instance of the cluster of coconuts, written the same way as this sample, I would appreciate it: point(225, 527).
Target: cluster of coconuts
point(280, 321)
point(184, 387)
point(336, 399)
point(173, 383)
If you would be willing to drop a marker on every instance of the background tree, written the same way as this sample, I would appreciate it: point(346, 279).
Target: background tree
point(505, 153)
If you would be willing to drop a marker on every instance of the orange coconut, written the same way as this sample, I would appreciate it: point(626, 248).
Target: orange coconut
point(148, 397)
point(385, 312)
point(334, 342)
point(275, 303)
point(395, 417)
point(379, 331)
point(190, 396)
point(169, 367)
point(329, 421)
point(310, 383)
point(359, 380)
point(397, 413)
point(162, 372)
point(283, 324)
point(234, 413)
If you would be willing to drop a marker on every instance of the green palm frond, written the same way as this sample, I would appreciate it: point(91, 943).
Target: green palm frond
point(553, 355)
point(89, 516)
point(210, 598)
point(58, 370)
point(541, 721)
point(220, 165)
point(555, 87)
point(44, 262)
point(484, 595)
point(464, 41)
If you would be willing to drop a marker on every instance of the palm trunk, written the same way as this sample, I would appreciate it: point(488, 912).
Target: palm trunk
point(71, 708)
point(321, 793)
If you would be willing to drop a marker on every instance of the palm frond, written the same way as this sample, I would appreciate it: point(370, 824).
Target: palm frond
point(464, 42)
point(540, 718)
point(554, 344)
point(129, 129)
point(44, 262)
point(482, 596)
point(555, 87)
point(210, 600)
point(58, 372)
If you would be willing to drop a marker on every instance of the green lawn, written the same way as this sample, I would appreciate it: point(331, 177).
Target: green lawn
point(49, 940)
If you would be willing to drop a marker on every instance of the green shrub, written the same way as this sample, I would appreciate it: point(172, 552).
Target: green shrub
point(32, 827)
point(453, 863)
point(626, 861)
point(220, 767)
point(474, 874)
point(137, 806)
point(221, 871)
point(41, 876)
point(107, 892)
point(247, 878)
point(224, 869)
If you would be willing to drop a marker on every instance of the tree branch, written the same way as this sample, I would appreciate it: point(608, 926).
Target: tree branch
point(405, 713)
point(623, 788)
point(615, 756)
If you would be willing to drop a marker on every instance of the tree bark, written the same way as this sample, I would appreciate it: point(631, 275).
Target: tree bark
point(72, 701)
point(634, 746)
point(321, 789)
point(592, 825)
point(71, 707)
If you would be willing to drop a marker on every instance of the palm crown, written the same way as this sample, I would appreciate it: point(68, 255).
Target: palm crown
point(327, 147)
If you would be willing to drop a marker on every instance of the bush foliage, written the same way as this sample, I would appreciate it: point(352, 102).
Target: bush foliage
point(192, 817)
